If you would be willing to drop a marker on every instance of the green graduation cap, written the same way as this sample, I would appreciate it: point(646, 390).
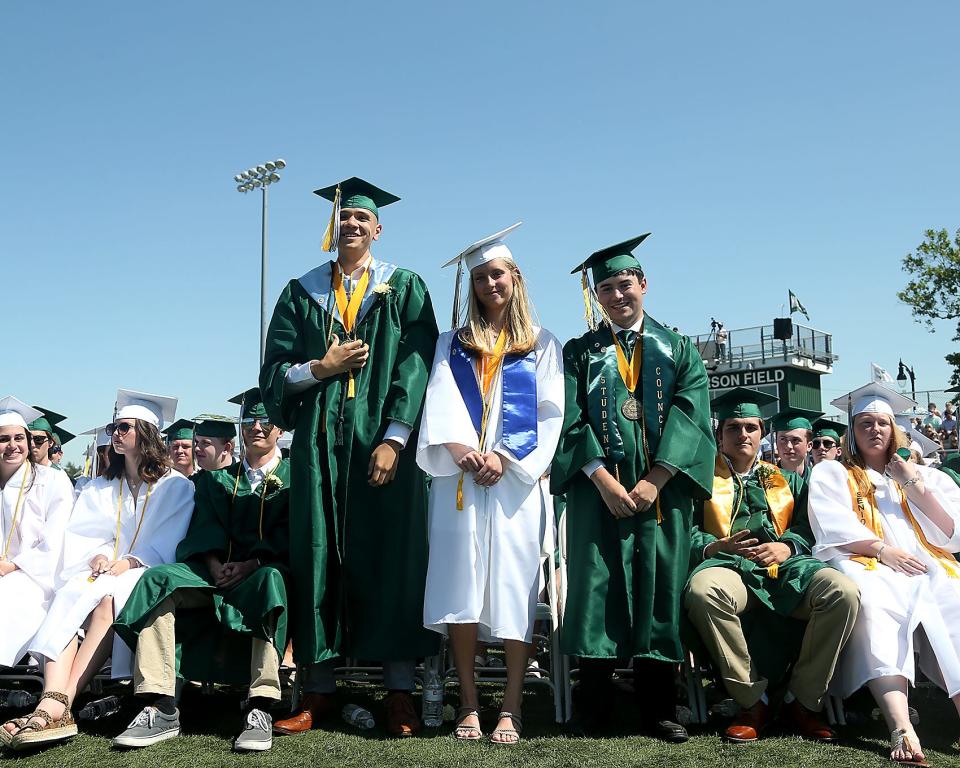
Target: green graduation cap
point(794, 418)
point(357, 193)
point(741, 403)
point(61, 435)
point(829, 428)
point(251, 404)
point(181, 429)
point(608, 261)
point(213, 425)
point(46, 422)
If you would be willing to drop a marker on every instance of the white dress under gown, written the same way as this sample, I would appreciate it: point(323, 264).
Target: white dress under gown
point(484, 564)
point(900, 615)
point(35, 545)
point(91, 532)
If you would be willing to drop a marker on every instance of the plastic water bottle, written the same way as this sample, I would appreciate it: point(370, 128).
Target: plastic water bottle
point(358, 717)
point(100, 708)
point(16, 699)
point(432, 698)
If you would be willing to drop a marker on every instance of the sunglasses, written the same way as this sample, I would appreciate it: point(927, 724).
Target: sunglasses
point(39, 440)
point(123, 427)
point(266, 426)
point(828, 444)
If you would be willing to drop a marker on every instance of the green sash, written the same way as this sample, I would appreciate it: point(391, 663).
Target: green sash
point(606, 391)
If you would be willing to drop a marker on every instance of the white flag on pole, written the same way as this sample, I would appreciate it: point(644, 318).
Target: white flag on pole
point(880, 375)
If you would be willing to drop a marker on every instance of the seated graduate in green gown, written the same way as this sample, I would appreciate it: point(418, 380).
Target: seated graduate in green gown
point(826, 440)
point(751, 555)
point(219, 614)
point(179, 437)
point(635, 453)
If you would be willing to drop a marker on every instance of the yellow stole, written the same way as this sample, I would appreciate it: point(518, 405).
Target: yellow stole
point(868, 513)
point(349, 307)
point(719, 512)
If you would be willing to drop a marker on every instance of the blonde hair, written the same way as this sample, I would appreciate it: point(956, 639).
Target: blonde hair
point(855, 462)
point(521, 337)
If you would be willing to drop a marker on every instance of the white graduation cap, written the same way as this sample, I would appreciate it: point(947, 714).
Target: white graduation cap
point(16, 413)
point(474, 255)
point(873, 398)
point(156, 409)
point(102, 437)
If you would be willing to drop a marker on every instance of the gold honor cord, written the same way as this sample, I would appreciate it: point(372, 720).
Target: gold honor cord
point(349, 308)
point(488, 365)
point(16, 514)
point(136, 533)
point(263, 498)
point(629, 369)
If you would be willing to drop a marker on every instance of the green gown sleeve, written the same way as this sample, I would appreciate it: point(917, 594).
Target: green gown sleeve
point(418, 340)
point(285, 347)
point(578, 444)
point(687, 443)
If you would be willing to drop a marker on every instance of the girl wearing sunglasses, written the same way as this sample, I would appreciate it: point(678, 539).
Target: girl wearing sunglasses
point(130, 518)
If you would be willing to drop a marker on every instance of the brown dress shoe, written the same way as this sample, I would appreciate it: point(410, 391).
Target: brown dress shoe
point(749, 724)
point(402, 718)
point(806, 723)
point(314, 707)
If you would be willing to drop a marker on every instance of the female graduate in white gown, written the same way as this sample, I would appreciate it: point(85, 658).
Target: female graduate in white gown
point(124, 522)
point(35, 504)
point(492, 418)
point(892, 527)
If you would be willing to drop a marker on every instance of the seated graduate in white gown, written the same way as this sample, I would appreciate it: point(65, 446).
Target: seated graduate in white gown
point(492, 418)
point(892, 527)
point(35, 504)
point(127, 520)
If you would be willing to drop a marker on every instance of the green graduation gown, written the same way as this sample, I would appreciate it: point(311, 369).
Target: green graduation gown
point(626, 576)
point(214, 645)
point(358, 554)
point(773, 637)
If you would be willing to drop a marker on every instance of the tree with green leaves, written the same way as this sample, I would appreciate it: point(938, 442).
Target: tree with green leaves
point(933, 292)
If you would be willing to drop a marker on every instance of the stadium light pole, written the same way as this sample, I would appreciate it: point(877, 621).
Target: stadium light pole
point(261, 177)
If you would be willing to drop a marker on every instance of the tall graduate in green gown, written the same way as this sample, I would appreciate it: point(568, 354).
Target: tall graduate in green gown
point(348, 356)
point(635, 454)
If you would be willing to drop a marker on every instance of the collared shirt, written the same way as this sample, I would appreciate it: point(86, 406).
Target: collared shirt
point(258, 475)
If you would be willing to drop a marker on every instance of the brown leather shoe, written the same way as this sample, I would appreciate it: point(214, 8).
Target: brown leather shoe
point(314, 708)
point(749, 724)
point(402, 718)
point(806, 723)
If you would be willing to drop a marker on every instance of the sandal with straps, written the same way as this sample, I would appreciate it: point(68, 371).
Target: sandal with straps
point(512, 732)
point(906, 739)
point(32, 734)
point(467, 732)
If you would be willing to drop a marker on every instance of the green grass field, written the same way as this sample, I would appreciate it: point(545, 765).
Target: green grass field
point(211, 721)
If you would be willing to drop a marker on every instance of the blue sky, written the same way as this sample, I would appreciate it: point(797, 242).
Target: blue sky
point(767, 146)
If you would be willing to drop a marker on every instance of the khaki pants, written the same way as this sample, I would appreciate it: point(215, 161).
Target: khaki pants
point(716, 597)
point(154, 668)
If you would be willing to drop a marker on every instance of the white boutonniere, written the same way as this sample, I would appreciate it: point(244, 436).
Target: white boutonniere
point(382, 288)
point(272, 483)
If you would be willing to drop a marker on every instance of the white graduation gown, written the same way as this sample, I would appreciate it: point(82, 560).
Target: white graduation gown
point(35, 544)
point(484, 564)
point(899, 614)
point(92, 532)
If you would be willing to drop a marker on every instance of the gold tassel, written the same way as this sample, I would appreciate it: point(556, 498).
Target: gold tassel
point(351, 388)
point(659, 513)
point(587, 301)
point(460, 493)
point(332, 233)
point(773, 571)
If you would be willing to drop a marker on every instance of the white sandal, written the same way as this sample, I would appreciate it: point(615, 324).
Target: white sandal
point(906, 739)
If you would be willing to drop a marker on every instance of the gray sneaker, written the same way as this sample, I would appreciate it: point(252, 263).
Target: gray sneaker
point(149, 727)
point(257, 733)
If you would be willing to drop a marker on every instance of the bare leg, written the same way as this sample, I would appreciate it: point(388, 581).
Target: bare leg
point(463, 639)
point(74, 668)
point(890, 694)
point(518, 655)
